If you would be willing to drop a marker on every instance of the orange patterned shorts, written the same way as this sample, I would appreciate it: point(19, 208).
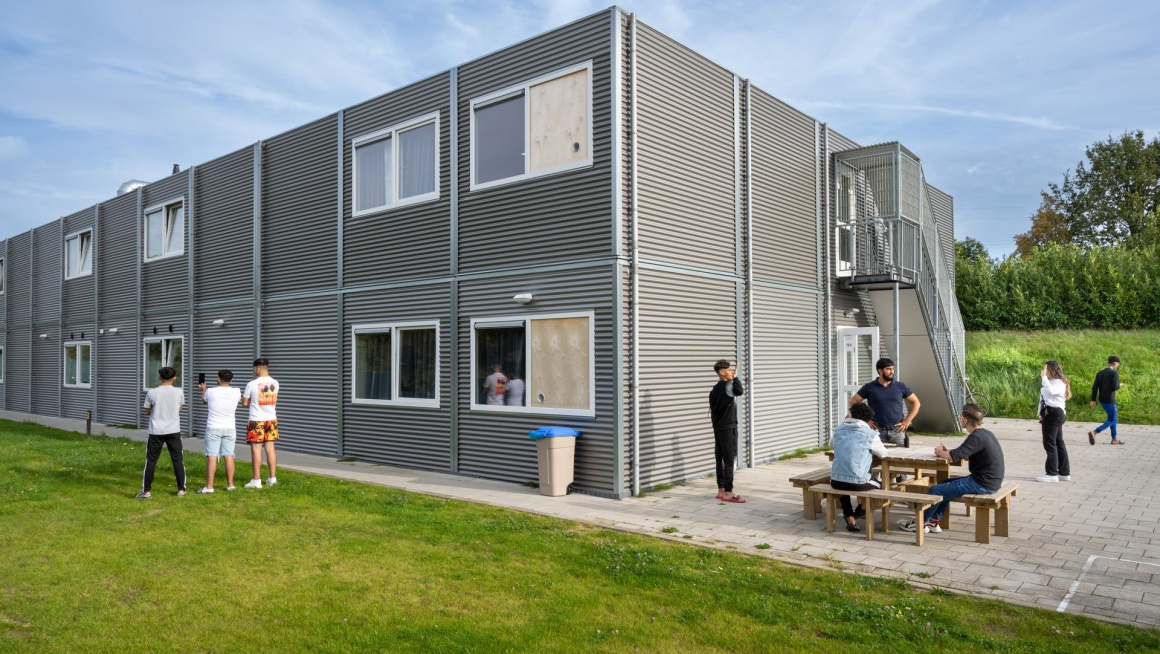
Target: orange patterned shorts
point(261, 431)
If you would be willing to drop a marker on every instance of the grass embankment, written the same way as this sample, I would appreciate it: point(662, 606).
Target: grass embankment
point(1005, 366)
point(318, 564)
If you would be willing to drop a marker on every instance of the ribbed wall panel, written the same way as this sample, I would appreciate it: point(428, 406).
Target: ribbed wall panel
point(784, 205)
point(409, 241)
point(300, 340)
point(46, 371)
point(18, 295)
point(76, 402)
point(47, 275)
point(686, 323)
point(553, 218)
point(404, 436)
point(299, 230)
point(165, 282)
point(117, 381)
point(944, 215)
point(3, 323)
point(785, 367)
point(18, 395)
point(79, 302)
point(117, 257)
point(685, 136)
point(626, 371)
point(223, 260)
point(230, 346)
point(496, 445)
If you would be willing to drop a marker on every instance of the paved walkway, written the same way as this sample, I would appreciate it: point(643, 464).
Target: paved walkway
point(1089, 546)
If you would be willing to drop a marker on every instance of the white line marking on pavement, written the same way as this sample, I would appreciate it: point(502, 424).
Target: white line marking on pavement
point(1087, 567)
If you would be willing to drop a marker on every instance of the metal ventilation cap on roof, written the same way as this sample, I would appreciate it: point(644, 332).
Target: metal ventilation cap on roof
point(131, 185)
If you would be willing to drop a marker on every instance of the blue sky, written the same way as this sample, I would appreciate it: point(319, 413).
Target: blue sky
point(998, 98)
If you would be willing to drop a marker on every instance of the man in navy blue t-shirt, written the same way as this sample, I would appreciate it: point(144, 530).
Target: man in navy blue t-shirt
point(887, 396)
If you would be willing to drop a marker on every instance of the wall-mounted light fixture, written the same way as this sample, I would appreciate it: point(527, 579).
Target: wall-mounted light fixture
point(44, 335)
point(849, 313)
point(220, 322)
point(114, 330)
point(523, 298)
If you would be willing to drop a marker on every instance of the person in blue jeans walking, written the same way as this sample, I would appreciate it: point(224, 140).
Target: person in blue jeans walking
point(1104, 390)
point(985, 461)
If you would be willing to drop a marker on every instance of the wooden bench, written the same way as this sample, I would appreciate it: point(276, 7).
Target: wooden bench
point(1000, 501)
point(811, 501)
point(876, 499)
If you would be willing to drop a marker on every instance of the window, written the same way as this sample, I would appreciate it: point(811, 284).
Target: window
point(534, 364)
point(395, 364)
point(78, 364)
point(165, 230)
point(844, 234)
point(537, 128)
point(396, 166)
point(159, 353)
point(78, 254)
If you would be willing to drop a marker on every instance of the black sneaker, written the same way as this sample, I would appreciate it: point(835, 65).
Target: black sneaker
point(1092, 437)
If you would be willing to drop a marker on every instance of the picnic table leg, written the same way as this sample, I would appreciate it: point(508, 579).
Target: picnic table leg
point(919, 524)
point(809, 503)
point(885, 517)
point(1003, 517)
point(870, 519)
point(968, 513)
point(885, 475)
point(983, 524)
point(830, 501)
point(946, 518)
point(817, 503)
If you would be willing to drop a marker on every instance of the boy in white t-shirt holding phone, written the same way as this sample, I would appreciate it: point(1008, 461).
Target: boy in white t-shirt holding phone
point(261, 397)
point(220, 432)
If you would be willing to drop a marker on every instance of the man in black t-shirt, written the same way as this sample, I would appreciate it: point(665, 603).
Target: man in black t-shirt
point(723, 411)
point(886, 396)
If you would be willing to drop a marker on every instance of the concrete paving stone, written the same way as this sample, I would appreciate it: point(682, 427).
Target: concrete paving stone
point(1027, 577)
point(989, 582)
point(1151, 611)
point(1017, 565)
point(1089, 600)
point(1116, 592)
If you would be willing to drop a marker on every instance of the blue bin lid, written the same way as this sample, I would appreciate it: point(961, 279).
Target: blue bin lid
point(552, 432)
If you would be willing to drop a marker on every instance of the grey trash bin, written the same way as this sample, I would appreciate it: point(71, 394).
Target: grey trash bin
point(556, 451)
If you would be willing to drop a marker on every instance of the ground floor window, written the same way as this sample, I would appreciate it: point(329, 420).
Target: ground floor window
point(78, 364)
point(395, 364)
point(534, 364)
point(159, 353)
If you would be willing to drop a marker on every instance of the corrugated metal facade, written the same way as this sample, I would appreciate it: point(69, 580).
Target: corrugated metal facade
point(229, 346)
point(78, 320)
point(944, 216)
point(117, 379)
point(18, 353)
point(165, 282)
point(47, 276)
point(3, 321)
point(224, 204)
point(785, 368)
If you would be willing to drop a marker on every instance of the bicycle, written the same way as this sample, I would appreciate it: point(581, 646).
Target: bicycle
point(977, 398)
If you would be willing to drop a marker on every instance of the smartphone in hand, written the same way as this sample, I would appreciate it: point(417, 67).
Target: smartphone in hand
point(201, 377)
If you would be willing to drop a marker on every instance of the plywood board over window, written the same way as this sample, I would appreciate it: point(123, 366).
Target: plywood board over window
point(558, 122)
point(561, 367)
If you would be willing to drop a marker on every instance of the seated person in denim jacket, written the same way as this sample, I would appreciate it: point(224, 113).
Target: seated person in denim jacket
point(855, 446)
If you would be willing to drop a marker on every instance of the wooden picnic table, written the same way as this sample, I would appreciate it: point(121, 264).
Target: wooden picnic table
point(913, 462)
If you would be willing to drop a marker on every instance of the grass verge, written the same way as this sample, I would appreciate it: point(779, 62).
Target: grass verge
point(320, 564)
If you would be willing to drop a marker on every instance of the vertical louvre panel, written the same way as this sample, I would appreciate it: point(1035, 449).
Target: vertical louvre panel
point(17, 372)
point(115, 375)
point(416, 437)
point(165, 282)
point(230, 347)
point(299, 234)
point(784, 215)
point(46, 285)
point(556, 217)
point(785, 399)
point(299, 339)
point(496, 445)
point(686, 155)
point(944, 216)
point(223, 262)
point(409, 241)
point(686, 323)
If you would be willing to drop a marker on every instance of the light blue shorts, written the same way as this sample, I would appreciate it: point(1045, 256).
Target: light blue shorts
point(219, 441)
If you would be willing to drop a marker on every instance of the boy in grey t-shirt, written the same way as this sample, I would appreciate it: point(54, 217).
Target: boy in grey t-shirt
point(163, 405)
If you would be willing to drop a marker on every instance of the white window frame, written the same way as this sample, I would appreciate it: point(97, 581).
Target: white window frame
point(145, 357)
point(525, 89)
point(392, 132)
point(64, 363)
point(394, 328)
point(92, 253)
point(846, 197)
point(164, 207)
point(509, 321)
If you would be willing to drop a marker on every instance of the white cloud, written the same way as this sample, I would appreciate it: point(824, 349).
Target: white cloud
point(1030, 121)
point(12, 146)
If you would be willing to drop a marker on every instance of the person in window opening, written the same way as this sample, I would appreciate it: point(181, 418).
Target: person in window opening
point(261, 396)
point(1104, 390)
point(886, 395)
point(723, 411)
point(855, 446)
point(163, 405)
point(495, 386)
point(221, 404)
point(515, 391)
point(1054, 392)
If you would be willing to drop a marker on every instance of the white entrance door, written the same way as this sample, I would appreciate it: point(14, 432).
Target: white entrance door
point(857, 352)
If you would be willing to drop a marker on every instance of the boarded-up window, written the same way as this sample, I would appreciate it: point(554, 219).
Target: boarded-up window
point(561, 364)
point(558, 122)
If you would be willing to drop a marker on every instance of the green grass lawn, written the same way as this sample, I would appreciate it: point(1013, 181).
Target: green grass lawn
point(1005, 366)
point(318, 564)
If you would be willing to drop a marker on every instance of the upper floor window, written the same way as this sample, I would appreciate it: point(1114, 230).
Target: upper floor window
point(78, 254)
point(397, 165)
point(78, 367)
point(540, 127)
point(165, 230)
point(844, 233)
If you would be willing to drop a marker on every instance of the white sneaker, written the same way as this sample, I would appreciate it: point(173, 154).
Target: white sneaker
point(254, 483)
point(911, 525)
point(231, 488)
point(1048, 479)
point(205, 491)
point(272, 481)
point(1065, 477)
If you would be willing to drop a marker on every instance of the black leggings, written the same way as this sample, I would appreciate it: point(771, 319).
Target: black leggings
point(1057, 461)
point(847, 508)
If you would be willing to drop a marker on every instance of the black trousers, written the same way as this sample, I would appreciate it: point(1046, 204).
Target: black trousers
point(153, 452)
point(1057, 461)
point(847, 508)
point(725, 451)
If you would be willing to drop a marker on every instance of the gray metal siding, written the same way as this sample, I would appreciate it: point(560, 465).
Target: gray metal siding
point(784, 216)
point(172, 323)
point(785, 367)
point(117, 257)
point(299, 234)
point(496, 445)
point(3, 321)
point(410, 241)
point(165, 282)
point(544, 219)
point(944, 215)
point(685, 167)
point(686, 323)
point(223, 257)
point(118, 362)
point(300, 340)
point(79, 301)
point(230, 346)
point(413, 437)
point(46, 291)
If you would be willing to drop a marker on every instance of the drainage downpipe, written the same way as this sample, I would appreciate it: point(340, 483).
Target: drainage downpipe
point(826, 265)
point(634, 274)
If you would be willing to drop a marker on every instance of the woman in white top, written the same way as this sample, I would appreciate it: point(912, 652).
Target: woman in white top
point(1054, 393)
